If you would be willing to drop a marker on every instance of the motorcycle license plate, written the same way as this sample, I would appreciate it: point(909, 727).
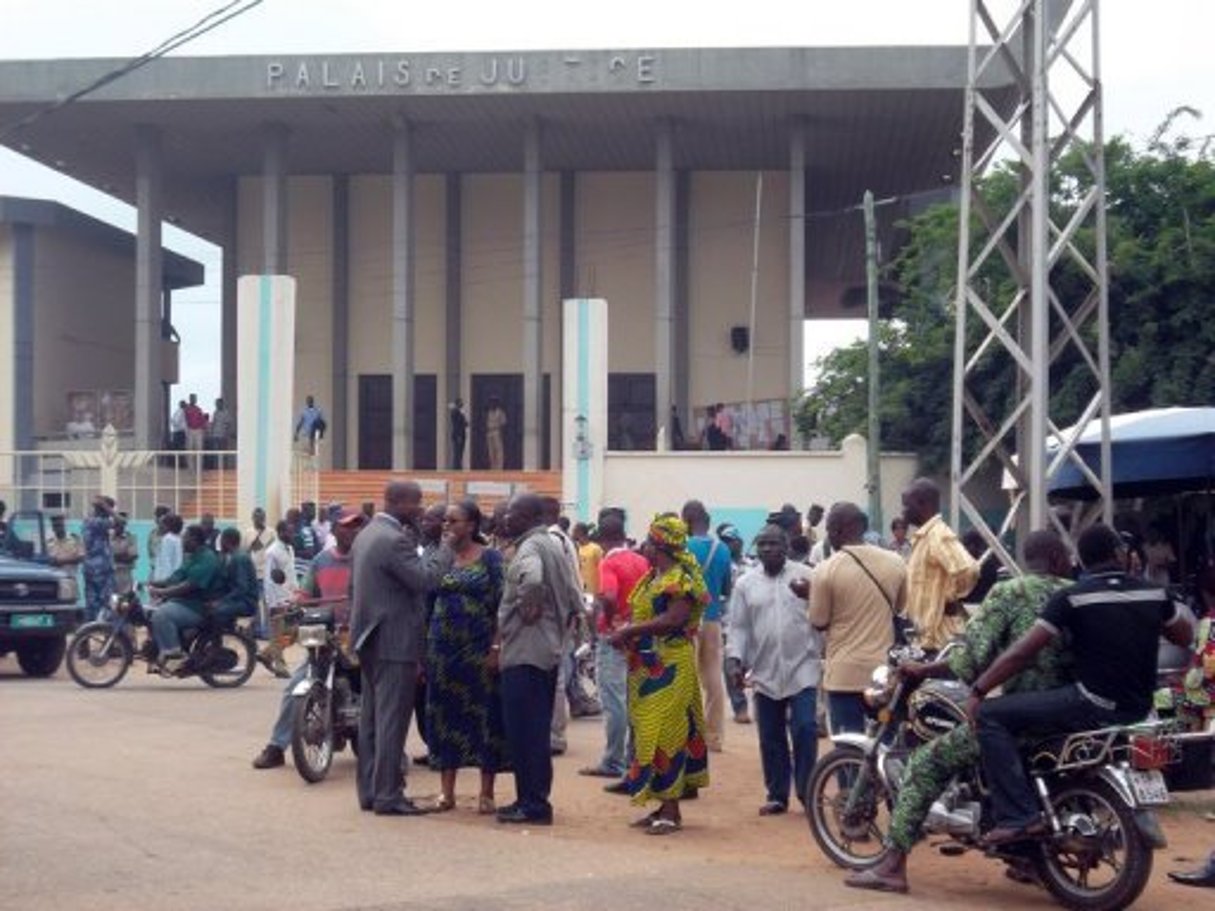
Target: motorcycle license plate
point(1149, 787)
point(33, 621)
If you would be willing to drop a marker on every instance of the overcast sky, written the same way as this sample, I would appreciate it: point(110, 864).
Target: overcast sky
point(1155, 56)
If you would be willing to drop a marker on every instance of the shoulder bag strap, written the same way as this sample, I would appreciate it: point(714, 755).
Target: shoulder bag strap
point(872, 577)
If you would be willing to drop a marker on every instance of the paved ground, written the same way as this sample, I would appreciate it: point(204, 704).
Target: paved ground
point(142, 797)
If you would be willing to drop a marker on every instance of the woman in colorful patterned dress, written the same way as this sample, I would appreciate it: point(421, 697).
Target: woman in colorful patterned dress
point(464, 712)
point(666, 717)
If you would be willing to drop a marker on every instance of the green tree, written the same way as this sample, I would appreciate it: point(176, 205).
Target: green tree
point(1160, 205)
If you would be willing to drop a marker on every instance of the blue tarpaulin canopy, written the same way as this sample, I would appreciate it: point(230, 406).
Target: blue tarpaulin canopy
point(1159, 451)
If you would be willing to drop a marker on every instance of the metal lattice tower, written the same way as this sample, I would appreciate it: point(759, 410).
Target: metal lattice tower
point(1031, 283)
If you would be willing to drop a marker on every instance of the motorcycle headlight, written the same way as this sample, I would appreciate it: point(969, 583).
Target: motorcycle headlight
point(66, 590)
point(313, 636)
point(881, 676)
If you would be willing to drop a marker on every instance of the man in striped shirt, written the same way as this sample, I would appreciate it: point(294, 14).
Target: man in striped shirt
point(940, 572)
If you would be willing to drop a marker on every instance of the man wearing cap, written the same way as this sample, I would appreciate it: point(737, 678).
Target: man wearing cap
point(328, 581)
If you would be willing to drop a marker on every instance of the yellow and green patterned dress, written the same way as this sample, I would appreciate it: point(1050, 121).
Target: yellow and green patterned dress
point(666, 716)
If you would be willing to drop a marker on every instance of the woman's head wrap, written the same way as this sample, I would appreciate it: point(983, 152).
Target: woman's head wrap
point(669, 533)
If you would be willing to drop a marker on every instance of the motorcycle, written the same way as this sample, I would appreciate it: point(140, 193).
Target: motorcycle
point(102, 651)
point(1098, 791)
point(327, 699)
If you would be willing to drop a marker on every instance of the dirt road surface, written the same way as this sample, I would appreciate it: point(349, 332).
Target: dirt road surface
point(142, 797)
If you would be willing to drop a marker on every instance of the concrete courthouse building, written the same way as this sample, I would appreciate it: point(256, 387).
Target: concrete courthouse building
point(435, 209)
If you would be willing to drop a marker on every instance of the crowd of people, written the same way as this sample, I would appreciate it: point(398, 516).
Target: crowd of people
point(467, 626)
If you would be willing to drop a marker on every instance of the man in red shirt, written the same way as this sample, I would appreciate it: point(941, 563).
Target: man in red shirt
point(196, 424)
point(619, 571)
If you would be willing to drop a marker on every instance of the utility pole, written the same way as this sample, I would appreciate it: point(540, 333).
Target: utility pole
point(874, 449)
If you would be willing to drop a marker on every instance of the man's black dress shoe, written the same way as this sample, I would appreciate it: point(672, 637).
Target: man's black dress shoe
point(400, 808)
point(521, 817)
point(1203, 877)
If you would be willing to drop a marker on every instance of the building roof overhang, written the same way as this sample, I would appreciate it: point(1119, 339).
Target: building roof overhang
point(883, 118)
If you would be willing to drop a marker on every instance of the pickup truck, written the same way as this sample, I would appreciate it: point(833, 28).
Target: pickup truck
point(38, 609)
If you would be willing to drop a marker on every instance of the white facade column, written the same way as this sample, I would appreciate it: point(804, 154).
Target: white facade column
point(797, 258)
point(533, 402)
point(403, 246)
point(664, 281)
point(265, 412)
point(584, 405)
point(149, 276)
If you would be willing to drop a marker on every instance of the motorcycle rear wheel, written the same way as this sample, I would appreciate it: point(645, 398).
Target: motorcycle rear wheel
point(312, 734)
point(240, 672)
point(1117, 847)
point(852, 838)
point(97, 657)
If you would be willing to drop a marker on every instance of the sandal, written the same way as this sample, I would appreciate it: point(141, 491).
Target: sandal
point(645, 821)
point(485, 806)
point(443, 803)
point(663, 826)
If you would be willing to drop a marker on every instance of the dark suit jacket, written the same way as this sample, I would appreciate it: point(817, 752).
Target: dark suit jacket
point(389, 583)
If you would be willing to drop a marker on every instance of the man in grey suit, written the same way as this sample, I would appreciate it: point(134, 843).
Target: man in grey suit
point(389, 584)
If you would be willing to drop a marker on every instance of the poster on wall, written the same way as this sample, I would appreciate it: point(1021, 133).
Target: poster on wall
point(117, 407)
point(82, 414)
point(764, 424)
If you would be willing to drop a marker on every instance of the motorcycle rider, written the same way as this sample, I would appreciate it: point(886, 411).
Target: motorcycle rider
point(1011, 608)
point(328, 580)
point(1115, 622)
point(183, 596)
point(242, 591)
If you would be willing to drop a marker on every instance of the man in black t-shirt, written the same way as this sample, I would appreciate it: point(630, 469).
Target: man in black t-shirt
point(1114, 623)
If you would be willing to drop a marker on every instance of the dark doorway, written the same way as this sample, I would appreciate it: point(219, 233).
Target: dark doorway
point(508, 387)
point(425, 421)
point(631, 398)
point(375, 421)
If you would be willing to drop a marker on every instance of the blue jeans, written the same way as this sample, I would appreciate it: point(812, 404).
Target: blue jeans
point(168, 620)
point(527, 706)
point(284, 725)
point(845, 713)
point(612, 676)
point(1013, 801)
point(787, 726)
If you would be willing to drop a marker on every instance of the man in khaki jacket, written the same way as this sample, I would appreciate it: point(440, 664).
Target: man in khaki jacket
point(852, 599)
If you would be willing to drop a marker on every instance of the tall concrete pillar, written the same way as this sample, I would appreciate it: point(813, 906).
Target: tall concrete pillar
point(533, 350)
point(340, 331)
point(664, 279)
point(797, 258)
point(274, 200)
point(403, 246)
point(453, 299)
point(230, 272)
point(682, 332)
point(149, 275)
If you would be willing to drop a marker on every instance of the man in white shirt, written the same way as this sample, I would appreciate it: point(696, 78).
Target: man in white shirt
point(168, 551)
point(771, 639)
point(280, 586)
point(177, 427)
point(256, 540)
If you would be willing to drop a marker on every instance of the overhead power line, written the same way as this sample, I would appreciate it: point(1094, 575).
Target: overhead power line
point(207, 23)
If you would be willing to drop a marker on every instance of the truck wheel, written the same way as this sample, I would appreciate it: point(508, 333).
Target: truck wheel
point(42, 657)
